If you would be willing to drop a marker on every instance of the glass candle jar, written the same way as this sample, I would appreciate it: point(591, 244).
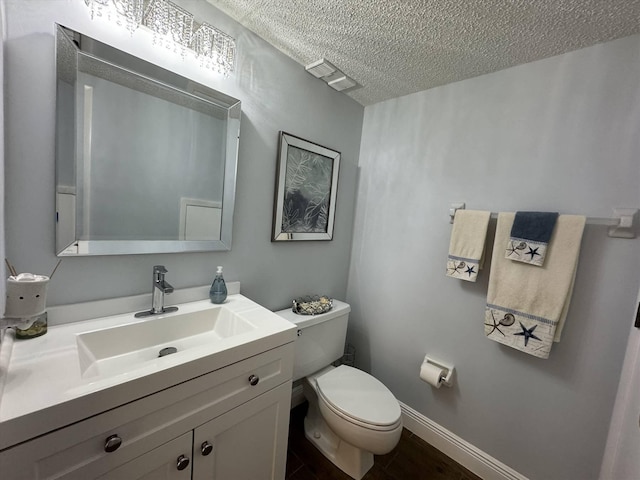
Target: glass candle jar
point(37, 328)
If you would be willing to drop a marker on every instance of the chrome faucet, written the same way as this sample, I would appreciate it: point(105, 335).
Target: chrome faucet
point(159, 289)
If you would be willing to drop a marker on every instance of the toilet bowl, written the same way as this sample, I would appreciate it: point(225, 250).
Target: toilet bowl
point(351, 414)
point(351, 417)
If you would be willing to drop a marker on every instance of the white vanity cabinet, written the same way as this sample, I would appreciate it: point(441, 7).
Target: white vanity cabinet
point(229, 424)
point(247, 443)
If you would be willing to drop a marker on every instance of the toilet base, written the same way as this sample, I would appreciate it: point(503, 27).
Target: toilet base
point(353, 461)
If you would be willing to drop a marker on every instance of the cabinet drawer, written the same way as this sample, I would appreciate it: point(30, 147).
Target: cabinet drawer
point(78, 451)
point(159, 464)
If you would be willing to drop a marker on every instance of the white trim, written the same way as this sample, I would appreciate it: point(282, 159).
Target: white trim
point(86, 154)
point(623, 438)
point(185, 203)
point(297, 396)
point(467, 455)
point(3, 38)
point(66, 189)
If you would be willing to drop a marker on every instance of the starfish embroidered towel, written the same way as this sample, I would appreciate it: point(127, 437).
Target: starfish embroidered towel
point(466, 248)
point(527, 305)
point(530, 236)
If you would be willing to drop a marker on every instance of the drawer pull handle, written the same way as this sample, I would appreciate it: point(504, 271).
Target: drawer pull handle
point(112, 443)
point(183, 462)
point(206, 448)
point(253, 380)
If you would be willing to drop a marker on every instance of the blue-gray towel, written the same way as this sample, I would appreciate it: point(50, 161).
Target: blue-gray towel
point(530, 236)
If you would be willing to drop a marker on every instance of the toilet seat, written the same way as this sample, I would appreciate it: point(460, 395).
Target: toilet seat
point(359, 398)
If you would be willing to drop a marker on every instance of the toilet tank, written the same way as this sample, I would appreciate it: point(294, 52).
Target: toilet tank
point(320, 339)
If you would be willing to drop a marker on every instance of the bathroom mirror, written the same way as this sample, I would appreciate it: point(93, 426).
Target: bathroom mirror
point(145, 158)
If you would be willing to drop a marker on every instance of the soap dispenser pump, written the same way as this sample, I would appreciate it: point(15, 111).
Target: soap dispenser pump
point(218, 290)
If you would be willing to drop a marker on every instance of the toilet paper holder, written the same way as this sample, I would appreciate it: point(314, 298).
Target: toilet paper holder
point(447, 375)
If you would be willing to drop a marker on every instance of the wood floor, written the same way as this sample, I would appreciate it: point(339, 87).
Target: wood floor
point(412, 459)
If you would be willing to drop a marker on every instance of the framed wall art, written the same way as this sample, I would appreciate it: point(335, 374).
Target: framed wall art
point(306, 187)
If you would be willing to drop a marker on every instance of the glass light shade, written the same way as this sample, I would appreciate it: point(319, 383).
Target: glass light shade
point(129, 13)
point(171, 25)
point(98, 7)
point(215, 49)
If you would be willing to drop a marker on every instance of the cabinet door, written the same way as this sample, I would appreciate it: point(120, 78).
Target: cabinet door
point(171, 461)
point(248, 442)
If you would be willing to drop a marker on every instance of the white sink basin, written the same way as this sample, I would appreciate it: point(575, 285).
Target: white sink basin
point(83, 368)
point(114, 350)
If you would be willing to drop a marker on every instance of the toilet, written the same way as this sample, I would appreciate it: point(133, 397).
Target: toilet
point(351, 415)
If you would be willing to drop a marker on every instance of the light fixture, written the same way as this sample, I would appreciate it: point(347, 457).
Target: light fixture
point(123, 12)
point(129, 12)
point(327, 72)
point(215, 49)
point(172, 26)
point(320, 68)
point(98, 7)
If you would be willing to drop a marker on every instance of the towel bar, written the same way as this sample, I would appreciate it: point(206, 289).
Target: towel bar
point(622, 224)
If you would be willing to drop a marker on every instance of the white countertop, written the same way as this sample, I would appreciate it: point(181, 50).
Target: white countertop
point(42, 388)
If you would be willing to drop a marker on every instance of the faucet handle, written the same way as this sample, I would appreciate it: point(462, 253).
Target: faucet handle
point(159, 269)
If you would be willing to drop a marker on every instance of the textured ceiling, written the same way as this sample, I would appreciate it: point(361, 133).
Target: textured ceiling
point(396, 47)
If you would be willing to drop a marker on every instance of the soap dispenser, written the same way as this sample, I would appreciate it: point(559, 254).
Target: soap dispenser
point(218, 291)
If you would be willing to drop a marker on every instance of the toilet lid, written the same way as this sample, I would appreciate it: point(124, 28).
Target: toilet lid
point(358, 395)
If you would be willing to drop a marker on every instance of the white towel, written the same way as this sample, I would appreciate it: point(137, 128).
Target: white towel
point(526, 304)
point(466, 248)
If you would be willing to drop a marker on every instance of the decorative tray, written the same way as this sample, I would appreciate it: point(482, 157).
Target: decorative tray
point(312, 305)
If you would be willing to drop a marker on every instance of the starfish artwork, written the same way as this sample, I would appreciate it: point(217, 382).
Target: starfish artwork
point(455, 267)
point(470, 270)
point(527, 333)
point(513, 248)
point(494, 326)
point(533, 252)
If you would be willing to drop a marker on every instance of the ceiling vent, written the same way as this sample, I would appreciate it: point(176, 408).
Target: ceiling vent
point(342, 83)
point(327, 72)
point(320, 68)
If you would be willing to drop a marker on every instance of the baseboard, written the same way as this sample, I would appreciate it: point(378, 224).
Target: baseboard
point(297, 396)
point(467, 455)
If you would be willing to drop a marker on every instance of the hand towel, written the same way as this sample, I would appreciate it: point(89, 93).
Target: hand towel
point(527, 305)
point(466, 248)
point(530, 236)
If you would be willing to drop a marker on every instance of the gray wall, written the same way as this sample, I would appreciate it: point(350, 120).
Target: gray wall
point(276, 94)
point(559, 134)
point(556, 134)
